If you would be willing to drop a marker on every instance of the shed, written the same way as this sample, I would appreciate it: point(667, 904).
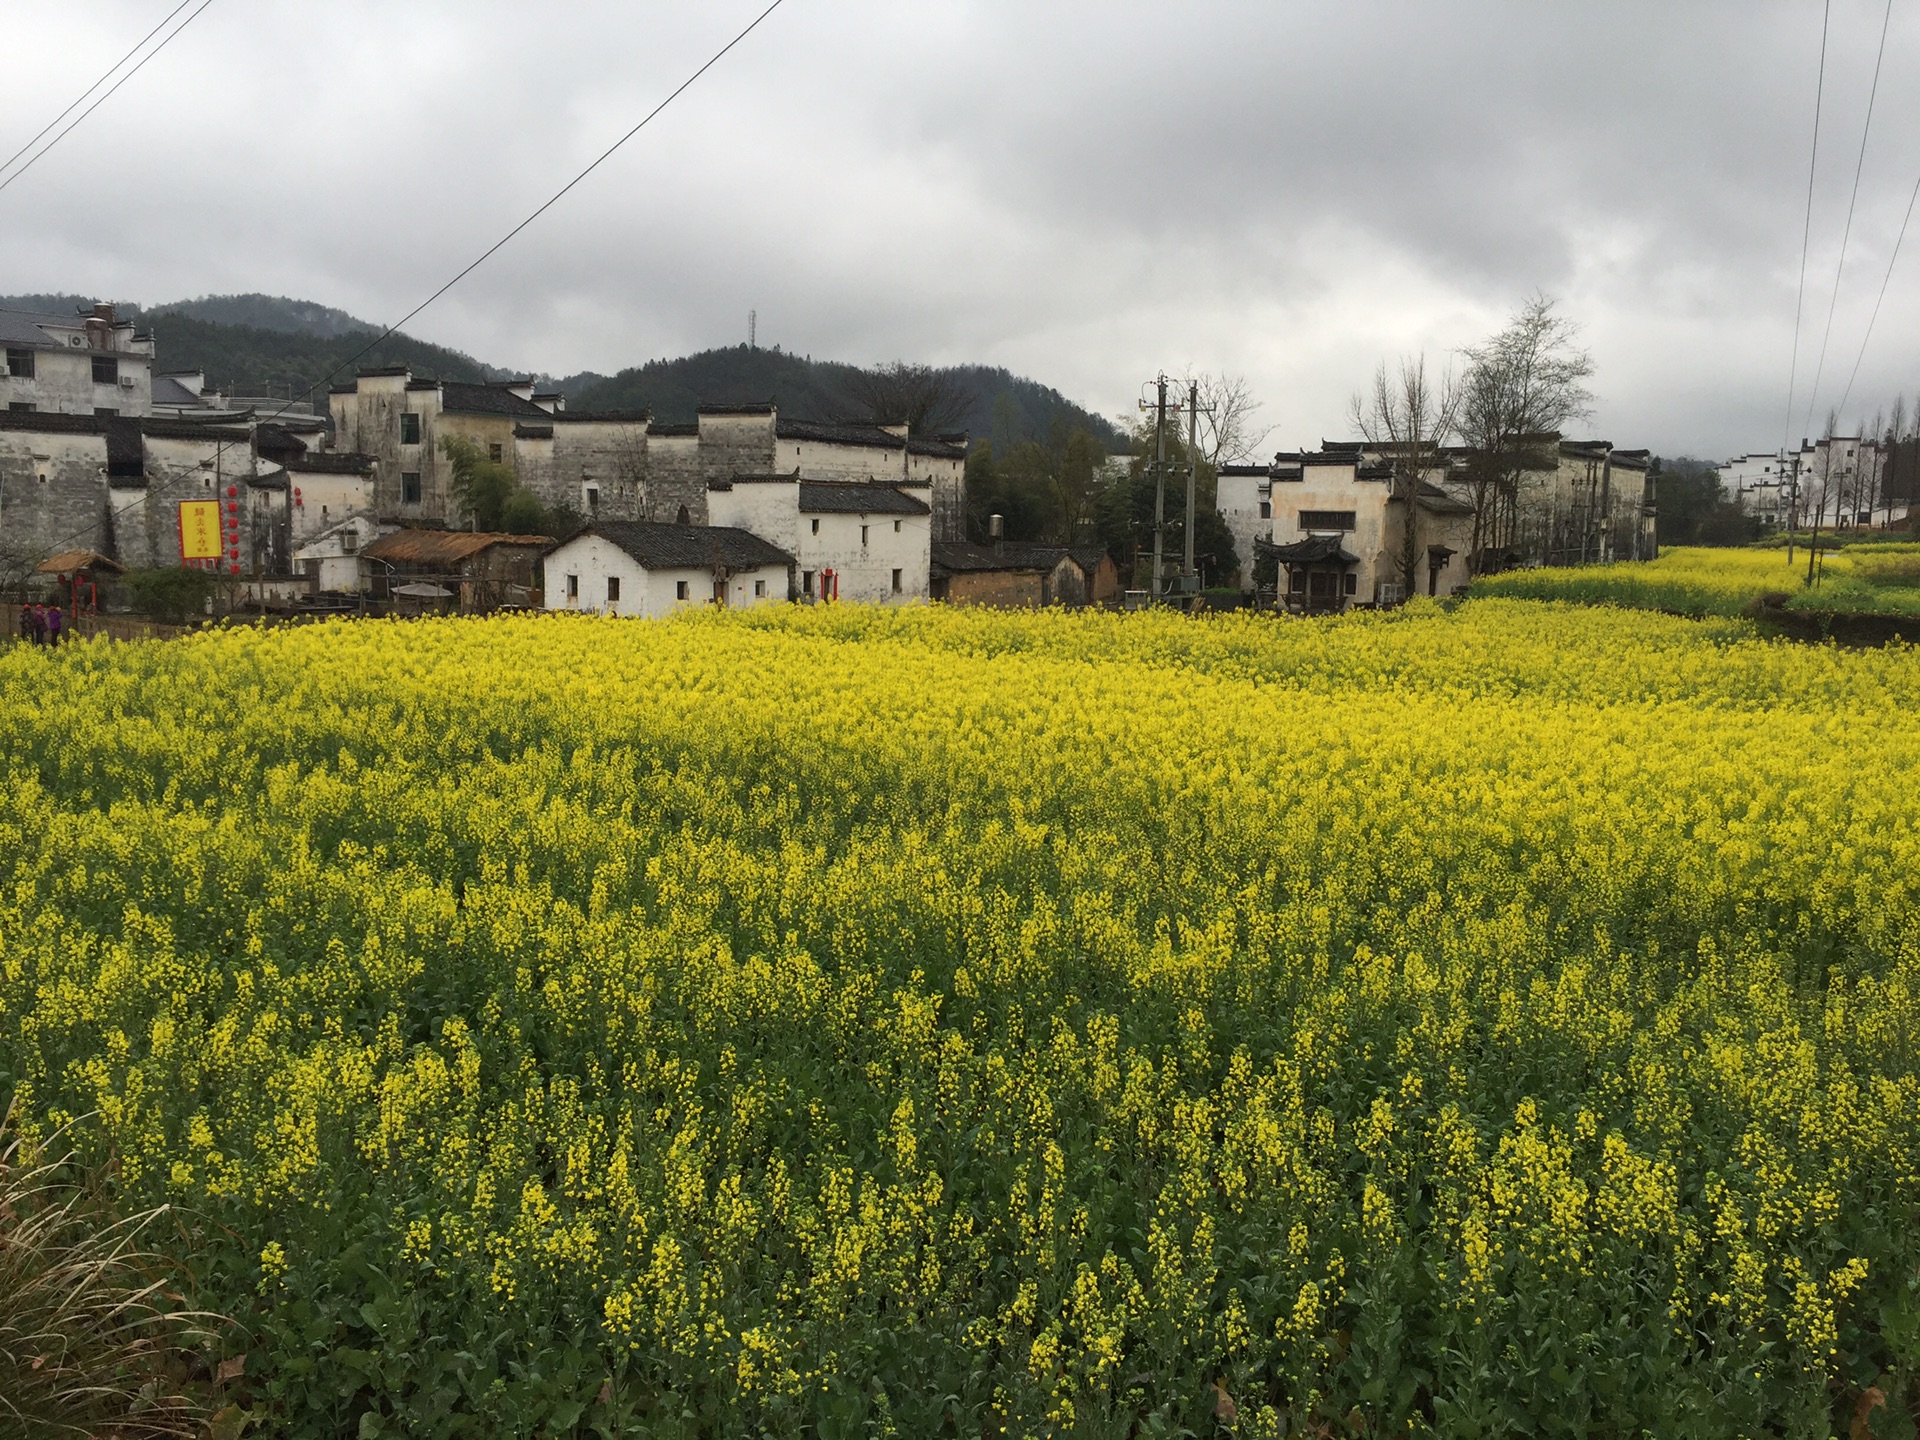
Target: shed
point(1014, 576)
point(1321, 574)
point(484, 568)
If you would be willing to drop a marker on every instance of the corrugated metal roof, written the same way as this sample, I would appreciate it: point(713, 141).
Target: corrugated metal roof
point(443, 547)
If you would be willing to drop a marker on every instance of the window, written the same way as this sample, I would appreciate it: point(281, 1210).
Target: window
point(1350, 583)
point(896, 527)
point(20, 364)
point(409, 487)
point(679, 589)
point(759, 589)
point(105, 410)
point(806, 583)
point(409, 428)
point(106, 370)
point(1266, 509)
point(896, 582)
point(349, 542)
point(1297, 582)
point(573, 587)
point(613, 588)
point(816, 527)
point(494, 452)
point(1326, 519)
point(593, 499)
point(863, 537)
point(21, 407)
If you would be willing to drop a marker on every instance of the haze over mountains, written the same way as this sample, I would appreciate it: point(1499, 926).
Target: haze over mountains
point(277, 346)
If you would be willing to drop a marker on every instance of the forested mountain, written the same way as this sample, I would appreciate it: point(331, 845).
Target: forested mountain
point(992, 403)
point(273, 345)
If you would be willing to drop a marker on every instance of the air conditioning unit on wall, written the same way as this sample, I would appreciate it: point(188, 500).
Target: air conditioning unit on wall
point(126, 382)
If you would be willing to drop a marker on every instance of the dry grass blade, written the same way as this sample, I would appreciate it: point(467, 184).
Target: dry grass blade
point(90, 1344)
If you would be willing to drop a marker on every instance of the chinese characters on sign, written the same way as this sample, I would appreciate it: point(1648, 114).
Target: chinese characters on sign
point(199, 529)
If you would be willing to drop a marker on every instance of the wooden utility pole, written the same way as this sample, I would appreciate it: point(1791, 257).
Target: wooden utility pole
point(1189, 587)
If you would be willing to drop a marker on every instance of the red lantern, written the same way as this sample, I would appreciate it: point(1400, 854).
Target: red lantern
point(236, 567)
point(233, 490)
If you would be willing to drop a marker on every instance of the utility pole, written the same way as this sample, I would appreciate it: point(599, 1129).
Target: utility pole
point(753, 317)
point(1154, 585)
point(1190, 587)
point(1793, 507)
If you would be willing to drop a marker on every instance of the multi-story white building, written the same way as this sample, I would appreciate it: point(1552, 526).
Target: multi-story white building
point(90, 363)
point(1339, 533)
point(850, 539)
point(1244, 496)
point(1838, 481)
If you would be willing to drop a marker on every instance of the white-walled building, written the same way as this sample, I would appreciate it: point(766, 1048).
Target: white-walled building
point(1244, 496)
point(330, 560)
point(850, 540)
point(1338, 532)
point(92, 363)
point(647, 569)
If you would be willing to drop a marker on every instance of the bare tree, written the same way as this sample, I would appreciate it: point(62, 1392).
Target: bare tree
point(1522, 384)
point(1408, 417)
point(927, 401)
point(1229, 429)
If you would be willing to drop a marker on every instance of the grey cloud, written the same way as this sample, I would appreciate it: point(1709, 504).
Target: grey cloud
point(1085, 192)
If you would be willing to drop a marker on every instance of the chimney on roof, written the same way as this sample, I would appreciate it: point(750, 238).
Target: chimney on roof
point(997, 531)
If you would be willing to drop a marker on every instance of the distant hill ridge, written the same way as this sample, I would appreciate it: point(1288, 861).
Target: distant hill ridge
point(275, 345)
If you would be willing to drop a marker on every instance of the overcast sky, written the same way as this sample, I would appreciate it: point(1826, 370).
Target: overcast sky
point(1084, 193)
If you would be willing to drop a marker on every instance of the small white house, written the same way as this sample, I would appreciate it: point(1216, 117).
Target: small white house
point(851, 540)
point(647, 569)
point(331, 559)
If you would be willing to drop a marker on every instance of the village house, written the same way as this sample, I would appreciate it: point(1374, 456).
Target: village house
point(400, 422)
point(648, 569)
point(1244, 497)
point(471, 570)
point(1023, 576)
point(113, 484)
point(1338, 532)
point(89, 363)
point(850, 539)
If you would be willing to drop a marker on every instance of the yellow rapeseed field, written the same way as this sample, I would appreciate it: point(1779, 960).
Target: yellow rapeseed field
point(864, 1022)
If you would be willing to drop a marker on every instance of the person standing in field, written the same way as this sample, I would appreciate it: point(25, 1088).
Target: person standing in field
point(53, 624)
point(37, 623)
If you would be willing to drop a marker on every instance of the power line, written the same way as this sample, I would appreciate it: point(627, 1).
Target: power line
point(5, 164)
point(1806, 231)
point(1891, 260)
point(1846, 234)
point(104, 98)
point(546, 205)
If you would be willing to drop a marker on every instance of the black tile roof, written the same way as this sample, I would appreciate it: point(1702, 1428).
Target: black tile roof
point(961, 557)
point(1314, 550)
point(687, 547)
point(838, 434)
point(754, 407)
point(533, 432)
point(331, 462)
point(489, 400)
point(681, 431)
point(601, 417)
point(840, 497)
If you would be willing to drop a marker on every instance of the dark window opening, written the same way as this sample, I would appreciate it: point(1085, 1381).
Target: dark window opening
point(106, 370)
point(105, 410)
point(409, 428)
point(683, 518)
point(679, 589)
point(1266, 509)
point(20, 364)
point(21, 407)
point(896, 582)
point(806, 583)
point(1350, 583)
point(593, 499)
point(573, 587)
point(494, 452)
point(863, 536)
point(1326, 519)
point(816, 527)
point(613, 588)
point(409, 487)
